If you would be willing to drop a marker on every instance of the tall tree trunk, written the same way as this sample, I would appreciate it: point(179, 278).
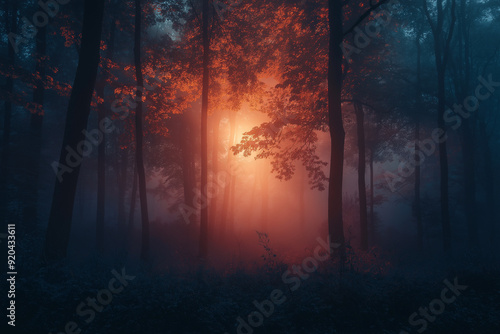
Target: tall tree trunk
point(133, 200)
point(418, 101)
point(139, 134)
point(302, 207)
point(363, 213)
point(10, 25)
point(443, 164)
point(101, 171)
point(59, 226)
point(372, 204)
point(417, 203)
point(265, 201)
point(231, 222)
point(5, 163)
point(230, 177)
point(234, 179)
point(468, 132)
point(203, 246)
point(101, 148)
point(441, 53)
point(253, 194)
point(337, 134)
point(188, 167)
point(468, 154)
point(215, 166)
point(35, 132)
point(490, 184)
point(122, 188)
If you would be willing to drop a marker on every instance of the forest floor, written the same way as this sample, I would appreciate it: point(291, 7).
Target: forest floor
point(54, 299)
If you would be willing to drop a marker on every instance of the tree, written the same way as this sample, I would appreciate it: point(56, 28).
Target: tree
point(225, 227)
point(417, 209)
point(335, 121)
point(139, 158)
point(59, 226)
point(188, 163)
point(363, 212)
point(461, 69)
point(308, 100)
point(11, 23)
point(203, 246)
point(215, 164)
point(35, 130)
point(442, 50)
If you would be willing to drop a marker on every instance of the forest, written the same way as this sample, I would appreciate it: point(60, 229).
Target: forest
point(249, 166)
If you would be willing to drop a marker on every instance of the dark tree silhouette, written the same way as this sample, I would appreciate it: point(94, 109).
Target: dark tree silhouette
point(203, 246)
point(363, 212)
point(139, 137)
point(35, 131)
point(442, 40)
point(59, 227)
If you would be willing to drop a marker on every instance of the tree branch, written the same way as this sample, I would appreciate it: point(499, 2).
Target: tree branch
point(364, 16)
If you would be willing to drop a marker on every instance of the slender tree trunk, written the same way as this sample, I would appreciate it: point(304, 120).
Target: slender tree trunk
point(441, 53)
point(133, 200)
point(35, 133)
point(443, 164)
point(123, 154)
point(230, 178)
point(302, 207)
point(59, 226)
point(265, 201)
point(215, 166)
point(101, 186)
point(372, 212)
point(417, 204)
point(11, 15)
point(490, 184)
point(231, 222)
point(10, 25)
point(101, 149)
point(468, 147)
point(203, 246)
point(363, 214)
point(139, 134)
point(188, 168)
point(101, 171)
point(418, 100)
point(337, 134)
point(234, 179)
point(122, 189)
point(253, 195)
point(469, 134)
